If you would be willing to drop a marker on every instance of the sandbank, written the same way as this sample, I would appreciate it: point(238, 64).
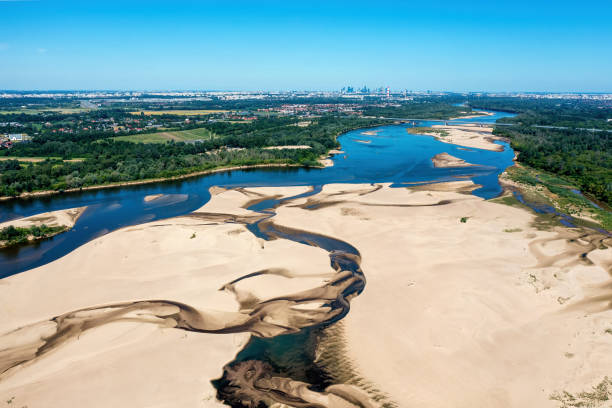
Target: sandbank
point(479, 137)
point(326, 161)
point(446, 160)
point(476, 115)
point(58, 218)
point(152, 197)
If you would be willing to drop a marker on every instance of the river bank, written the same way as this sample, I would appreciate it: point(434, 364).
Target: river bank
point(35, 194)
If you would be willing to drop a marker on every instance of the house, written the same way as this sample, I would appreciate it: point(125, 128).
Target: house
point(6, 144)
point(18, 137)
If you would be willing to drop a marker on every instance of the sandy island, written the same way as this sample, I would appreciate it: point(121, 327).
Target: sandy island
point(446, 160)
point(491, 312)
point(476, 136)
point(475, 115)
point(152, 197)
point(61, 218)
point(66, 218)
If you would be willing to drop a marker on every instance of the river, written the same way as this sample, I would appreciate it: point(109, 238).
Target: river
point(391, 156)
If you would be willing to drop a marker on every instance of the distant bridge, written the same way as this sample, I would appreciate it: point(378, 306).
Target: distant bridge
point(449, 122)
point(445, 121)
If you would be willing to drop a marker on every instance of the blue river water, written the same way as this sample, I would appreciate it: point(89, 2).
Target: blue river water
point(392, 155)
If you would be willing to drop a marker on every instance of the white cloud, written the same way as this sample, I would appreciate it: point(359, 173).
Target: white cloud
point(41, 50)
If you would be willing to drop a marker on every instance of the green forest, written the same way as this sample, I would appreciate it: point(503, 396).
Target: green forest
point(557, 136)
point(108, 161)
point(61, 132)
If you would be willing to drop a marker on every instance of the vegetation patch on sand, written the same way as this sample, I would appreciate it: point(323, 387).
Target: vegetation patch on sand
point(599, 396)
point(546, 188)
point(10, 236)
point(419, 130)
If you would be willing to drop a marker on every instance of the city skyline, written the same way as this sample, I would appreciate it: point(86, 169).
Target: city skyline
point(155, 45)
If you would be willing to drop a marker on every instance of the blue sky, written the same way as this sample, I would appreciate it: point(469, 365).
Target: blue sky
point(537, 45)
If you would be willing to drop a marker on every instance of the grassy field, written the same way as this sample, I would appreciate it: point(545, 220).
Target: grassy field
point(35, 159)
point(186, 112)
point(163, 137)
point(426, 131)
point(41, 110)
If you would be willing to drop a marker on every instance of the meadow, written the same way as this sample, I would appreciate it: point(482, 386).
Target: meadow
point(38, 159)
point(163, 137)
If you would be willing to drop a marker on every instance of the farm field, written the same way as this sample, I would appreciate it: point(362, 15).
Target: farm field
point(183, 112)
point(163, 137)
point(36, 111)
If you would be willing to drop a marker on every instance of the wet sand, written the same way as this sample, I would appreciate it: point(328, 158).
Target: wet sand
point(152, 197)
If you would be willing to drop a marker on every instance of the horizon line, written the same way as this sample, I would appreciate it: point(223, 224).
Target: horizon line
point(58, 90)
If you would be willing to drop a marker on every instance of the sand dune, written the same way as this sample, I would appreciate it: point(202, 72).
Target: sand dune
point(488, 312)
point(182, 286)
point(491, 312)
